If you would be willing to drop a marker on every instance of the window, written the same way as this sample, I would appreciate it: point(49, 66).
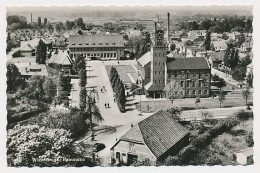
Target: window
point(199, 92)
point(159, 81)
point(86, 43)
point(100, 43)
point(206, 84)
point(175, 74)
point(155, 63)
point(194, 73)
point(80, 43)
point(155, 81)
point(188, 74)
point(194, 92)
point(205, 92)
point(200, 83)
point(155, 72)
point(163, 72)
point(155, 54)
point(159, 63)
point(194, 84)
point(182, 73)
point(182, 83)
point(163, 81)
point(188, 92)
point(188, 84)
point(159, 72)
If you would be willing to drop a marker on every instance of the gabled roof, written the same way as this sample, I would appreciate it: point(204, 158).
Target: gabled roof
point(154, 87)
point(197, 63)
point(145, 59)
point(217, 56)
point(96, 41)
point(62, 57)
point(219, 43)
point(159, 133)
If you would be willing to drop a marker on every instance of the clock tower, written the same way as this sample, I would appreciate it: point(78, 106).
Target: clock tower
point(159, 58)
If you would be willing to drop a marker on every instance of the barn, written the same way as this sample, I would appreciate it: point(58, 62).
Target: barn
point(153, 139)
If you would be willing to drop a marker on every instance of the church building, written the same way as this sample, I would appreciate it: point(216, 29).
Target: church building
point(157, 68)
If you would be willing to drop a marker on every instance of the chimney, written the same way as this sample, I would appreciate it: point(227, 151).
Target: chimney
point(168, 29)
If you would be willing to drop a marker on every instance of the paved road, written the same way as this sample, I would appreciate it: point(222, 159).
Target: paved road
point(226, 77)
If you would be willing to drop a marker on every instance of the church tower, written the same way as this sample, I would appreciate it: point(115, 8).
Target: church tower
point(159, 57)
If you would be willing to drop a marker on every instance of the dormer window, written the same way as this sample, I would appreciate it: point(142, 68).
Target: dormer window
point(80, 44)
point(113, 43)
point(87, 44)
point(107, 44)
point(73, 43)
point(100, 43)
point(93, 43)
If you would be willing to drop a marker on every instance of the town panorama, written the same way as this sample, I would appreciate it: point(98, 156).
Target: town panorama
point(129, 86)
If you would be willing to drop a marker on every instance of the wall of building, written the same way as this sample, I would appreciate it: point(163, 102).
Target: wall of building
point(105, 53)
point(158, 65)
point(191, 82)
point(125, 147)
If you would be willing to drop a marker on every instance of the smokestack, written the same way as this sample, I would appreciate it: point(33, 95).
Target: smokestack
point(31, 17)
point(168, 29)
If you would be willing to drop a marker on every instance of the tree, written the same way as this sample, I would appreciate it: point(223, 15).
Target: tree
point(45, 21)
point(231, 58)
point(197, 101)
point(26, 144)
point(92, 111)
point(173, 47)
point(172, 90)
point(83, 99)
point(175, 112)
point(79, 63)
point(218, 81)
point(207, 41)
point(50, 89)
point(249, 79)
point(250, 139)
point(82, 78)
point(214, 160)
point(246, 93)
point(39, 21)
point(49, 26)
point(245, 61)
point(221, 97)
point(137, 50)
point(41, 52)
point(14, 78)
point(239, 74)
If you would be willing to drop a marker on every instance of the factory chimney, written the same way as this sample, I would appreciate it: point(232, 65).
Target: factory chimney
point(168, 26)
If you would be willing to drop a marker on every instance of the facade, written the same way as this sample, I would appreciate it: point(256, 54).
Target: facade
point(153, 139)
point(103, 47)
point(219, 45)
point(157, 69)
point(193, 76)
point(216, 59)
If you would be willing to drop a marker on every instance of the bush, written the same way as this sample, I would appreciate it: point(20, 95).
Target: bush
point(202, 140)
point(214, 160)
point(249, 139)
point(243, 115)
point(17, 54)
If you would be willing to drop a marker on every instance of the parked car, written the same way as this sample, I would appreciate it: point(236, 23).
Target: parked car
point(98, 146)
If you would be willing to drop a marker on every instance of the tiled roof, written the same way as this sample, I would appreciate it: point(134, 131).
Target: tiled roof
point(196, 63)
point(62, 57)
point(159, 132)
point(134, 135)
point(96, 41)
point(145, 59)
point(217, 56)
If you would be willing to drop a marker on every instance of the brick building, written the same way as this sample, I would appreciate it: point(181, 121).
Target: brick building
point(153, 139)
point(157, 69)
point(103, 47)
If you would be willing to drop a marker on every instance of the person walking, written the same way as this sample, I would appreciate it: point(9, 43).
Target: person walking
point(101, 90)
point(108, 105)
point(114, 100)
point(105, 105)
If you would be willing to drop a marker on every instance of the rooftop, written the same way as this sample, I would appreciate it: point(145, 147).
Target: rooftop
point(197, 63)
point(145, 59)
point(62, 57)
point(159, 132)
point(96, 41)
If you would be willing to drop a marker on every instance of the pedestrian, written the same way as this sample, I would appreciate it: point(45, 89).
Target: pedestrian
point(114, 100)
point(101, 90)
point(132, 125)
point(108, 105)
point(105, 105)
